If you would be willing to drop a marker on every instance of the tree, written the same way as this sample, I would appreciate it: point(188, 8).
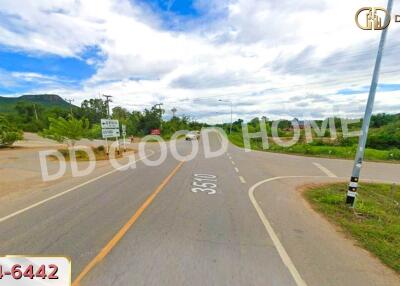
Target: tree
point(151, 119)
point(120, 113)
point(8, 133)
point(71, 130)
point(93, 109)
point(30, 116)
point(382, 119)
point(133, 123)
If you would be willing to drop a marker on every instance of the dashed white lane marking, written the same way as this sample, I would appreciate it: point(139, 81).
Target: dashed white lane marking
point(278, 245)
point(233, 163)
point(242, 180)
point(71, 190)
point(325, 170)
point(236, 170)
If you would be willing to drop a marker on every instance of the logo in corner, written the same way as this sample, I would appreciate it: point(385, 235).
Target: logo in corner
point(372, 18)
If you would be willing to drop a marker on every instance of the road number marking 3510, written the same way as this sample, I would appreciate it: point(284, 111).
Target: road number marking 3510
point(204, 183)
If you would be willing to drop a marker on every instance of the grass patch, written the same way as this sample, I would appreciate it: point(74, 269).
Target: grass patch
point(326, 151)
point(375, 221)
point(99, 153)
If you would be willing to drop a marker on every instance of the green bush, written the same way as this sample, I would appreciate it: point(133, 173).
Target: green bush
point(101, 148)
point(8, 132)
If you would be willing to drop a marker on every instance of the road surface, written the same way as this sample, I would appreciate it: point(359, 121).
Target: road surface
point(148, 226)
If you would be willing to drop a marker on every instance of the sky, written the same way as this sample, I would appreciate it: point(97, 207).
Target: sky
point(273, 58)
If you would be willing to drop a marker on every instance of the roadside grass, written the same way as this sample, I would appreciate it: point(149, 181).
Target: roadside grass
point(326, 151)
point(99, 153)
point(375, 221)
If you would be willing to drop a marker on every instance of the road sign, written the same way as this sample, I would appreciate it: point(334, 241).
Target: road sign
point(123, 127)
point(109, 124)
point(110, 133)
point(155, 132)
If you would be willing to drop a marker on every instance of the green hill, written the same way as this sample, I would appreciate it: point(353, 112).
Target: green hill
point(7, 104)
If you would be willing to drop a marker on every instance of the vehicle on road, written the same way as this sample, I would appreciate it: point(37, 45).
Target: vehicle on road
point(192, 135)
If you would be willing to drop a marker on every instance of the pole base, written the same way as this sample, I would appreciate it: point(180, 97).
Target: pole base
point(350, 200)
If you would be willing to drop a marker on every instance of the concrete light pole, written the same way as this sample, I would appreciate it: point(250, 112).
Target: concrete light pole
point(230, 101)
point(355, 177)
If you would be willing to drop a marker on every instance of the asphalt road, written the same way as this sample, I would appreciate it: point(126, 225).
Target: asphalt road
point(248, 227)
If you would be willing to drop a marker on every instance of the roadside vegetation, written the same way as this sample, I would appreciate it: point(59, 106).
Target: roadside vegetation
point(99, 154)
point(383, 139)
point(52, 117)
point(9, 133)
point(375, 221)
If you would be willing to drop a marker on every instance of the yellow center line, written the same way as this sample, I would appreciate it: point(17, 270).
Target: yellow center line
point(120, 234)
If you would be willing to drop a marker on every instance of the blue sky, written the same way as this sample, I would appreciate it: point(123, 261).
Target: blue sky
point(179, 7)
point(266, 56)
point(47, 64)
point(72, 71)
point(383, 87)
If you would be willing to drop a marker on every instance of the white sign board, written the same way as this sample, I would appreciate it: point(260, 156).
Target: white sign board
point(110, 133)
point(109, 124)
point(123, 128)
point(35, 271)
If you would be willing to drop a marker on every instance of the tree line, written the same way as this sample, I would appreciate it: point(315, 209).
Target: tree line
point(84, 121)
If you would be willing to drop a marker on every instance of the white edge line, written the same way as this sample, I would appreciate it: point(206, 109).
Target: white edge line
point(325, 170)
point(278, 245)
point(70, 190)
point(281, 250)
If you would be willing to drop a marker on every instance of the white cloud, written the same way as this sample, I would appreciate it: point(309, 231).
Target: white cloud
point(259, 54)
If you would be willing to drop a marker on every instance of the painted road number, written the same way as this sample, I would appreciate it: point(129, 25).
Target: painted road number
point(204, 183)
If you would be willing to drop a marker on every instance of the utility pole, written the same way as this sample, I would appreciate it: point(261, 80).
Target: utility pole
point(231, 104)
point(230, 129)
point(36, 115)
point(108, 100)
point(70, 105)
point(174, 110)
point(355, 177)
point(160, 110)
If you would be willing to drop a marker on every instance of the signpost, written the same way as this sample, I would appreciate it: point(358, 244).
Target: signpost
point(110, 129)
point(109, 124)
point(124, 134)
point(110, 133)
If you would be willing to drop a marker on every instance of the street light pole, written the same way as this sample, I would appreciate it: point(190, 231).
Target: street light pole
point(230, 129)
point(230, 101)
point(355, 177)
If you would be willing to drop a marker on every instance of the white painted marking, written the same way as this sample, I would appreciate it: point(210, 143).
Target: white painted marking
point(237, 170)
point(69, 190)
point(278, 245)
point(242, 180)
point(209, 188)
point(325, 170)
point(233, 163)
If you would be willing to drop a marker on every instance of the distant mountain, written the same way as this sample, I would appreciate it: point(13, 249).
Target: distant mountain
point(7, 104)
